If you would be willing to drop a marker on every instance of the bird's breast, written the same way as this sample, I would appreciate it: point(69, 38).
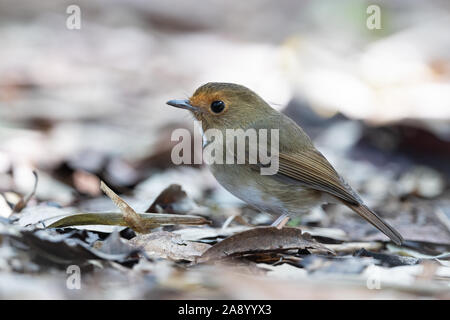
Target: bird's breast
point(266, 193)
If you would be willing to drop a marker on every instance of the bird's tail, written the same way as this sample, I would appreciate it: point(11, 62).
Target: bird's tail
point(376, 221)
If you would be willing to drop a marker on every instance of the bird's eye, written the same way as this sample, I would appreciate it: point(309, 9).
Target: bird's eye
point(217, 106)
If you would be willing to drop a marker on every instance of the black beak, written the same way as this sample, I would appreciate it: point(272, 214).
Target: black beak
point(183, 104)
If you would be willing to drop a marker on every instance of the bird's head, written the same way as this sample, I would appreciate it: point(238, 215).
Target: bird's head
point(224, 105)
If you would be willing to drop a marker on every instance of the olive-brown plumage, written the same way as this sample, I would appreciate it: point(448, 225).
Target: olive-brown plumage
point(304, 178)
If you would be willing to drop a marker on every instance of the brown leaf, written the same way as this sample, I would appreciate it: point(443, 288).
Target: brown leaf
point(262, 239)
point(169, 245)
point(167, 200)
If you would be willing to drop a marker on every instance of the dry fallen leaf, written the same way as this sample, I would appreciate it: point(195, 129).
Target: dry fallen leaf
point(172, 199)
point(63, 248)
point(201, 233)
point(169, 245)
point(262, 239)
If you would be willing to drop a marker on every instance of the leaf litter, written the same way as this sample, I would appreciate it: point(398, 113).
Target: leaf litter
point(283, 254)
point(260, 240)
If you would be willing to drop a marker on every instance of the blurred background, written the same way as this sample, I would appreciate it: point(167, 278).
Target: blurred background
point(79, 105)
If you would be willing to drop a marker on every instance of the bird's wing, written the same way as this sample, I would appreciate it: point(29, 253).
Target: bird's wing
point(311, 169)
point(299, 161)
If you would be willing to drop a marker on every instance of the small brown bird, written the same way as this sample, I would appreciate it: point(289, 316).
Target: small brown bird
point(304, 178)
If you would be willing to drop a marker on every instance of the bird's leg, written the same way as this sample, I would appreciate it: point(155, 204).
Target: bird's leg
point(281, 221)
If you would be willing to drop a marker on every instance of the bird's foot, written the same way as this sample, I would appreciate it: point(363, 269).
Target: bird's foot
point(280, 222)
